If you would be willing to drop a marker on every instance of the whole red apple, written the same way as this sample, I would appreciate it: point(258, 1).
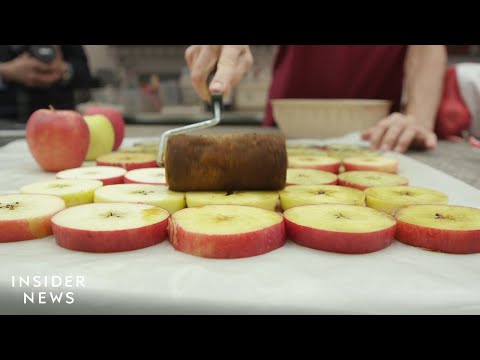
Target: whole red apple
point(115, 118)
point(57, 139)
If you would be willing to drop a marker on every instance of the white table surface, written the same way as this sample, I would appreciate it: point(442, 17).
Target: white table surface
point(291, 280)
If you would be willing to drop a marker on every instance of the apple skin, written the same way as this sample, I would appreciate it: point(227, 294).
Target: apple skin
point(57, 139)
point(333, 241)
point(115, 118)
point(110, 241)
point(102, 136)
point(448, 241)
point(239, 245)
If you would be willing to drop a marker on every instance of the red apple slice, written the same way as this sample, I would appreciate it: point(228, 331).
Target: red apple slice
point(226, 231)
point(129, 161)
point(27, 216)
point(152, 176)
point(108, 175)
point(310, 177)
point(262, 199)
point(324, 163)
point(371, 163)
point(365, 179)
point(444, 228)
point(103, 228)
point(348, 229)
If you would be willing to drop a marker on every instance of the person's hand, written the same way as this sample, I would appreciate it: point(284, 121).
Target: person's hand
point(398, 132)
point(232, 62)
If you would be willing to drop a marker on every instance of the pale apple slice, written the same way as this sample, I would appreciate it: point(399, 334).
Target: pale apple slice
point(348, 229)
point(73, 191)
point(443, 228)
point(153, 176)
point(365, 179)
point(226, 231)
point(261, 199)
point(324, 163)
point(129, 161)
point(141, 148)
point(310, 177)
point(103, 228)
point(371, 163)
point(108, 175)
point(158, 195)
point(27, 216)
point(391, 198)
point(304, 151)
point(297, 195)
point(342, 151)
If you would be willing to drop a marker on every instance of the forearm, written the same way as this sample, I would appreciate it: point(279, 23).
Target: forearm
point(424, 72)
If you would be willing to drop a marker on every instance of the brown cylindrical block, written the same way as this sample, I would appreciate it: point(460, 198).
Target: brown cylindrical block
point(226, 162)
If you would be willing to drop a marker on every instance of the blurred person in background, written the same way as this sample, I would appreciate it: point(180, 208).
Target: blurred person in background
point(37, 76)
point(411, 76)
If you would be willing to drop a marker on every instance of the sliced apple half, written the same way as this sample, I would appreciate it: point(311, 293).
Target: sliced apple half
point(310, 177)
point(261, 199)
point(73, 191)
point(153, 176)
point(27, 216)
point(391, 198)
point(158, 195)
point(365, 179)
point(371, 163)
point(226, 231)
point(129, 161)
point(103, 228)
point(324, 163)
point(108, 175)
point(444, 228)
point(297, 195)
point(348, 229)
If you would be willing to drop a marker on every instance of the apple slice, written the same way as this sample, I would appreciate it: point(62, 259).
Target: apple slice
point(391, 198)
point(371, 163)
point(153, 176)
point(348, 229)
point(158, 195)
point(342, 151)
point(324, 163)
point(108, 175)
point(297, 195)
point(226, 231)
point(105, 228)
point(310, 177)
point(365, 179)
point(27, 216)
point(129, 161)
point(73, 191)
point(261, 199)
point(304, 151)
point(141, 148)
point(444, 228)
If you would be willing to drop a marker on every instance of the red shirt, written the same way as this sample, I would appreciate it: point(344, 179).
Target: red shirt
point(337, 71)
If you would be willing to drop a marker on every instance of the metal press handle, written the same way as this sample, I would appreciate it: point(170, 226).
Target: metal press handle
point(217, 115)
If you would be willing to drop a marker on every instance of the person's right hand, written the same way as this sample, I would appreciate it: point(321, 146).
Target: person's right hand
point(30, 72)
point(232, 62)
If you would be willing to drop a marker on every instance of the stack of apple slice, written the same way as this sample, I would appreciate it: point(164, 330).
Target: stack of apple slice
point(444, 228)
point(324, 163)
point(153, 176)
point(129, 161)
point(73, 191)
point(158, 195)
point(226, 231)
point(390, 198)
point(297, 195)
point(310, 177)
point(371, 163)
point(348, 229)
point(105, 228)
point(108, 175)
point(365, 179)
point(261, 199)
point(27, 216)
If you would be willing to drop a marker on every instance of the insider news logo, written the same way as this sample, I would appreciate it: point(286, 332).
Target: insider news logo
point(52, 289)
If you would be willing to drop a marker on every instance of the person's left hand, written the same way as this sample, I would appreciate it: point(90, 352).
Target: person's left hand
point(398, 132)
